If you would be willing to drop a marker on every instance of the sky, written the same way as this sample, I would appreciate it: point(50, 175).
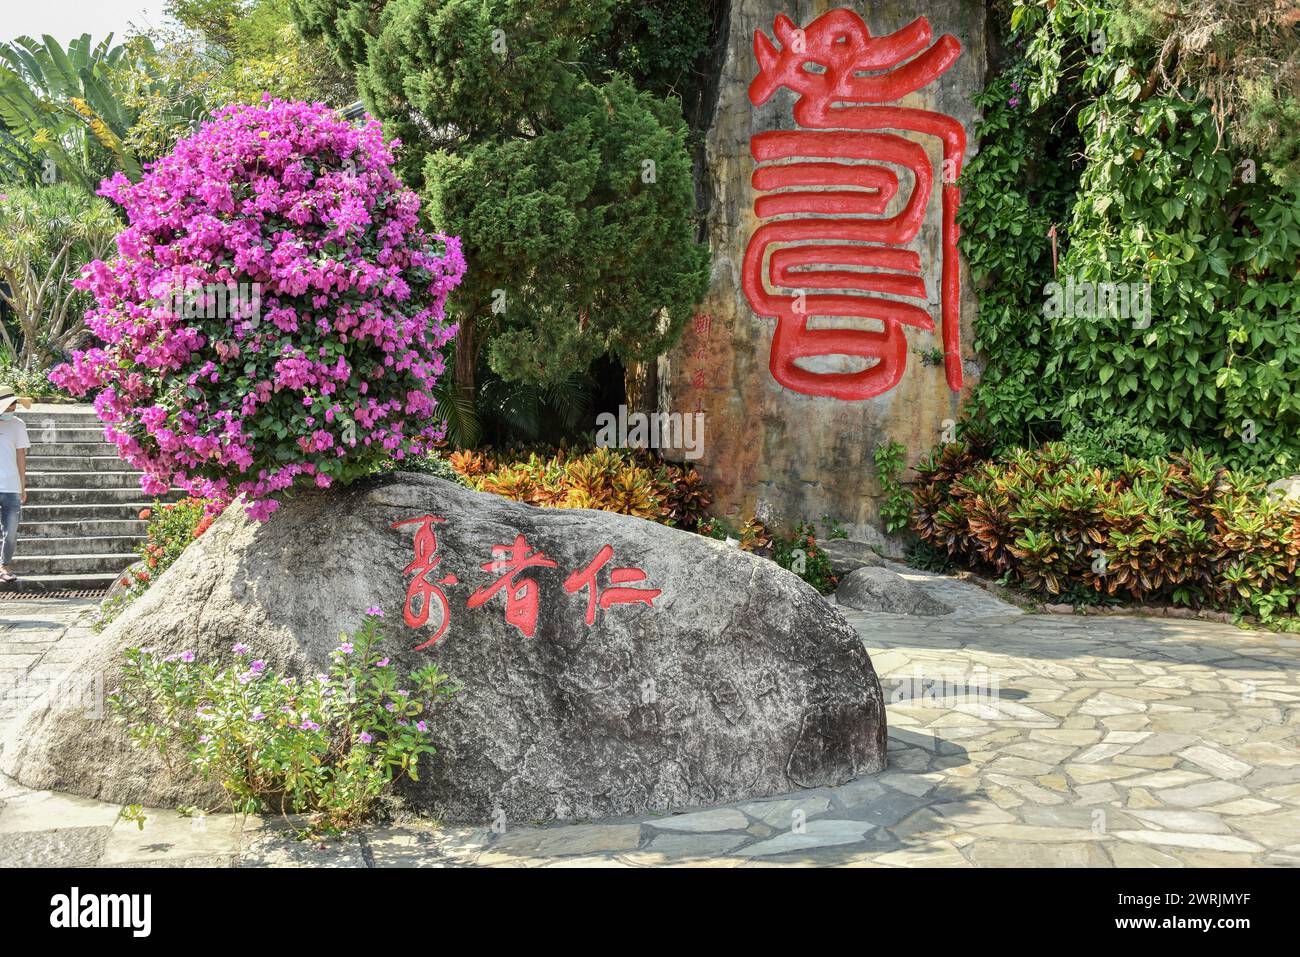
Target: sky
point(67, 19)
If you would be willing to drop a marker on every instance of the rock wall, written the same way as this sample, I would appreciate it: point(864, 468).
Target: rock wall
point(785, 452)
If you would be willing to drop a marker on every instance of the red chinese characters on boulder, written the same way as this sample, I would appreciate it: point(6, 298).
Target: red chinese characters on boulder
point(420, 587)
point(826, 188)
point(508, 563)
point(521, 596)
point(703, 327)
point(610, 596)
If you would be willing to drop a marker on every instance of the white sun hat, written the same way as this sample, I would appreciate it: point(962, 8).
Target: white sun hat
point(8, 395)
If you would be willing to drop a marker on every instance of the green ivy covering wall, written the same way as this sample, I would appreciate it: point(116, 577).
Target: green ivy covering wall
point(1156, 169)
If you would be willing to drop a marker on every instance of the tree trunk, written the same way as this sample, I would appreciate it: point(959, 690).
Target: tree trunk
point(466, 360)
point(641, 386)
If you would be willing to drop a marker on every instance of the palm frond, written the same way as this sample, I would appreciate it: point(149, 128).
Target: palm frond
point(457, 413)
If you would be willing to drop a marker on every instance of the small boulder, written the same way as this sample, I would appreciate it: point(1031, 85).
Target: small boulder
point(879, 589)
point(847, 555)
point(1285, 490)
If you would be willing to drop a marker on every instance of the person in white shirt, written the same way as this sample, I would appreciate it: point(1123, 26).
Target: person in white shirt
point(13, 476)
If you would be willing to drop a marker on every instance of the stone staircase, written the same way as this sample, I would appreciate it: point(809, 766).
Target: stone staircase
point(81, 524)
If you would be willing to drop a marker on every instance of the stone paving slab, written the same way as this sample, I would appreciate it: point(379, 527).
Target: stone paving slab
point(1015, 740)
point(28, 811)
point(169, 836)
point(61, 847)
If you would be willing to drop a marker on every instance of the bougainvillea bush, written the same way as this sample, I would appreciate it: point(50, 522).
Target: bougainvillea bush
point(275, 312)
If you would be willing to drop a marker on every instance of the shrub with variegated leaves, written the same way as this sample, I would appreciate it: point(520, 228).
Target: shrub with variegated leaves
point(1181, 529)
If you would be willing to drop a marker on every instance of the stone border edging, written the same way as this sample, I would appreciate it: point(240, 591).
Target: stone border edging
point(1061, 608)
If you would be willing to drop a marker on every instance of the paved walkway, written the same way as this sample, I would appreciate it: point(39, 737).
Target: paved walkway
point(1015, 739)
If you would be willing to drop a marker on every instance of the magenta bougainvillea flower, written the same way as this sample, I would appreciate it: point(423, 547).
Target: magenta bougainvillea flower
point(274, 314)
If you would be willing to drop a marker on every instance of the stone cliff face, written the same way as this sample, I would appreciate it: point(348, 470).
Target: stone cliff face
point(777, 442)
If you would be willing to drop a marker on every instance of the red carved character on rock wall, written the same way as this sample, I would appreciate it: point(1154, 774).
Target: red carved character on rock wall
point(610, 596)
point(841, 74)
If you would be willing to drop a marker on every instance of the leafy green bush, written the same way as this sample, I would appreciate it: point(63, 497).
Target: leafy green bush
point(1243, 54)
point(1020, 183)
point(328, 746)
point(33, 382)
point(896, 505)
point(1153, 144)
point(434, 463)
point(1110, 442)
point(924, 556)
point(799, 553)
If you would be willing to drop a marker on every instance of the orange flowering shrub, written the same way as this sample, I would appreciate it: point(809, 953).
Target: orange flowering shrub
point(610, 480)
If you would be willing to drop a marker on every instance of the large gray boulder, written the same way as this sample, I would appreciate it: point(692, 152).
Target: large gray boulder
point(879, 589)
point(737, 680)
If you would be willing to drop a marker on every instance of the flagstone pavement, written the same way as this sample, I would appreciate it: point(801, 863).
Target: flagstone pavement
point(1015, 739)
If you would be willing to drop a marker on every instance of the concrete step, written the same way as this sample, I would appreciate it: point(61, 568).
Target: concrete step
point(36, 584)
point(108, 563)
point(94, 449)
point(95, 481)
point(52, 436)
point(60, 414)
point(81, 524)
point(76, 463)
point(130, 528)
point(59, 422)
point(59, 512)
point(82, 496)
point(88, 545)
